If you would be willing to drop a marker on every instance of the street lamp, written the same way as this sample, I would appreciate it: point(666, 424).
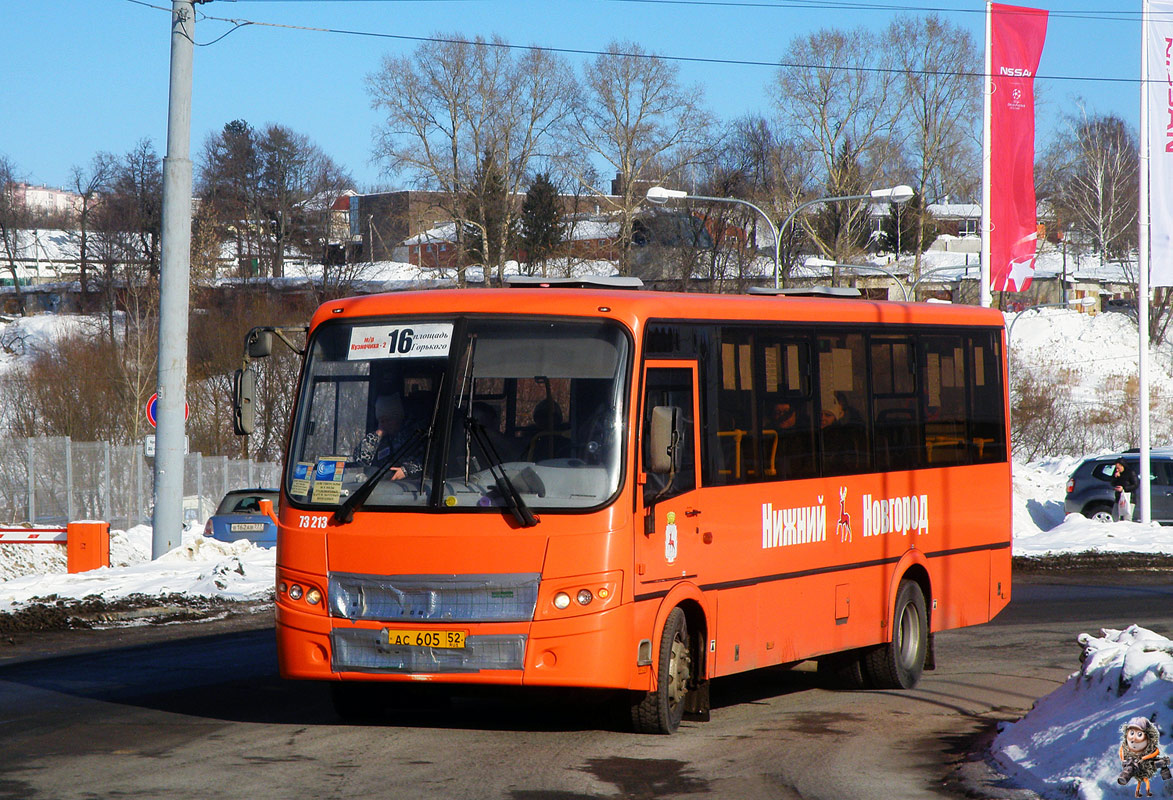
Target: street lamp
point(896, 194)
point(824, 262)
point(1085, 302)
point(927, 273)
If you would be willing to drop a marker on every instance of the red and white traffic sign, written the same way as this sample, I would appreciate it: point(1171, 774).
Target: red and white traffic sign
point(151, 409)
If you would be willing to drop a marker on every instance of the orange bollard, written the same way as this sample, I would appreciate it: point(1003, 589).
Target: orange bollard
point(87, 546)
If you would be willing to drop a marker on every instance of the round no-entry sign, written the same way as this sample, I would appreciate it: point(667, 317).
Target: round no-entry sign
point(151, 409)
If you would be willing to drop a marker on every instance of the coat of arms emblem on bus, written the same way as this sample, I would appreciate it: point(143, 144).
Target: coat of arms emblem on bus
point(670, 538)
point(843, 526)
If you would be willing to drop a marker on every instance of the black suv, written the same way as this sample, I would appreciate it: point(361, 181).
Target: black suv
point(1090, 495)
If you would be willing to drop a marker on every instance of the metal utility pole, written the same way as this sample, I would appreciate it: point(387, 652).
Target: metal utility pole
point(167, 519)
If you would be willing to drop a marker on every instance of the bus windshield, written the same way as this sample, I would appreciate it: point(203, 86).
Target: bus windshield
point(458, 414)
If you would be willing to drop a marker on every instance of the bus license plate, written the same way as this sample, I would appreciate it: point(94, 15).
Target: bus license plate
point(236, 527)
point(449, 639)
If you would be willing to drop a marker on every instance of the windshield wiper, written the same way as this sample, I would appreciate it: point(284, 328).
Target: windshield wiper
point(345, 512)
point(505, 485)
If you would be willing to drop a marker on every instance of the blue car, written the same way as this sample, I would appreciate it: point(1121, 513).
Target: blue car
point(239, 517)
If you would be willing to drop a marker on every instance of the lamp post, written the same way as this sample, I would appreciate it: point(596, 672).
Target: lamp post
point(824, 262)
point(896, 194)
point(1085, 302)
point(927, 273)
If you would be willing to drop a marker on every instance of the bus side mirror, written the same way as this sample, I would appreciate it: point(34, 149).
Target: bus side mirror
point(260, 343)
point(663, 436)
point(244, 402)
point(267, 510)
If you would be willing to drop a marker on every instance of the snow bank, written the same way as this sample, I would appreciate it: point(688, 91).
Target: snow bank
point(1067, 746)
point(199, 567)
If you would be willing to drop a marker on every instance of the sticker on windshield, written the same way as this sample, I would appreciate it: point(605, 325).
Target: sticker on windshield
point(328, 480)
point(300, 485)
point(424, 340)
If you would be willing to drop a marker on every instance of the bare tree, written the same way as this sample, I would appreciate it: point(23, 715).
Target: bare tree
point(136, 191)
point(89, 183)
point(1091, 180)
point(838, 97)
point(453, 105)
point(636, 117)
point(941, 80)
point(774, 174)
point(12, 220)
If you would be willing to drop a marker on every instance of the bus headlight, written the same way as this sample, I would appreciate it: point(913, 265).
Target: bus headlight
point(579, 594)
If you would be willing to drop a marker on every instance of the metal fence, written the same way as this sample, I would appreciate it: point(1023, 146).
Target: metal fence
point(53, 480)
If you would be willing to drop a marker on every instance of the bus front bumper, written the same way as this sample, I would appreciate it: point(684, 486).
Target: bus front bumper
point(590, 650)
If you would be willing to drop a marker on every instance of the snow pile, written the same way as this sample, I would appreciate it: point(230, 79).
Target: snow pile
point(1068, 745)
point(199, 567)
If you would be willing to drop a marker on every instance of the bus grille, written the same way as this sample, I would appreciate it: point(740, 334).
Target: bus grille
point(442, 598)
point(366, 651)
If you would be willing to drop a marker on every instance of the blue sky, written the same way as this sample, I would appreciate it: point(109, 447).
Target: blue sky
point(82, 76)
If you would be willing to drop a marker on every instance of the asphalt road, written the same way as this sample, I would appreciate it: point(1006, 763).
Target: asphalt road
point(197, 711)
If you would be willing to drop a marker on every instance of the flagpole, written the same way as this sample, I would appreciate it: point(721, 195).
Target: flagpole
point(987, 92)
point(1142, 268)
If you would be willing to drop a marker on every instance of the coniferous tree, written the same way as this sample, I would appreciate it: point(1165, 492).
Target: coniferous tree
point(906, 224)
point(486, 206)
point(541, 222)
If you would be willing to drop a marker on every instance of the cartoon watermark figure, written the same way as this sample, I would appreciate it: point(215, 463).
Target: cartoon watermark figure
point(843, 526)
point(1140, 756)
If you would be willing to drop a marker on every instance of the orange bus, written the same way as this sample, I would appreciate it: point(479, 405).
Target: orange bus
point(575, 486)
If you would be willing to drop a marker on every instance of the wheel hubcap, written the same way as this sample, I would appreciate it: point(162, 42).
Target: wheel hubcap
point(678, 668)
point(909, 636)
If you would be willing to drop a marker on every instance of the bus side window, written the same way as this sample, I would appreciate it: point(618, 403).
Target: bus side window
point(987, 426)
point(787, 420)
point(946, 433)
point(899, 437)
point(735, 442)
point(670, 387)
point(843, 397)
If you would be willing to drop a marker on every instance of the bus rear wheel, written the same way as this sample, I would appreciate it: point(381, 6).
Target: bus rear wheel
point(898, 663)
point(660, 710)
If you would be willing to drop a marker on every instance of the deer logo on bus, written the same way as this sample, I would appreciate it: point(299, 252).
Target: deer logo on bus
point(843, 526)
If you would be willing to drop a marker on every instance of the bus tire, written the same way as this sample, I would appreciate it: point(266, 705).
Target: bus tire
point(845, 670)
point(660, 710)
point(898, 663)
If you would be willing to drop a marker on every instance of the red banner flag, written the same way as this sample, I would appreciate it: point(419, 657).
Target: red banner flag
point(1016, 44)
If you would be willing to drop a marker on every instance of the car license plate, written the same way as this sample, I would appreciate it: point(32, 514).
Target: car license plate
point(417, 638)
point(246, 527)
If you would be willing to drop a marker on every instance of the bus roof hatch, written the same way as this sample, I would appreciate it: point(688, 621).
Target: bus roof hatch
point(585, 282)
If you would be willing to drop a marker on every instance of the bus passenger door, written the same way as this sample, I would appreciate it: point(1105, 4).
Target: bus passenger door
point(668, 548)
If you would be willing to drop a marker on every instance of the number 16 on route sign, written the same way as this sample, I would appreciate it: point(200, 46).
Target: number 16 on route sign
point(151, 409)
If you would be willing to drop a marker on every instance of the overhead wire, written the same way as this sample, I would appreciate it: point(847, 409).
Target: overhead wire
point(239, 23)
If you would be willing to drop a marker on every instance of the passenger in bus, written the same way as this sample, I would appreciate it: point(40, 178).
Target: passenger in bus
point(792, 426)
point(388, 438)
point(490, 421)
point(549, 439)
point(843, 434)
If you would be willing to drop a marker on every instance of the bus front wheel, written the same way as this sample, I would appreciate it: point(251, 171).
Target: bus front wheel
point(660, 710)
point(898, 663)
